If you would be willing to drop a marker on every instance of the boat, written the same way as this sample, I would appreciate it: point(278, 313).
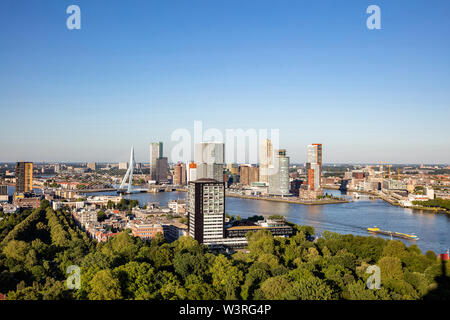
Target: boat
point(393, 234)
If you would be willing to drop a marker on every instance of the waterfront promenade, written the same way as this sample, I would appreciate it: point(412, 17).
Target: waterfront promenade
point(288, 199)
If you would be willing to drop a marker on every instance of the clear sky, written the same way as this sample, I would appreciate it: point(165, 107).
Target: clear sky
point(138, 70)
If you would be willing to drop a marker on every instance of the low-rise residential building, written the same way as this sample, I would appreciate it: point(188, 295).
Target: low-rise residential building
point(27, 202)
point(145, 230)
point(9, 208)
point(173, 230)
point(177, 206)
point(391, 184)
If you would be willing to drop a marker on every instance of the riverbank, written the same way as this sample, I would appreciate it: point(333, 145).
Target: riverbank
point(349, 218)
point(391, 202)
point(289, 200)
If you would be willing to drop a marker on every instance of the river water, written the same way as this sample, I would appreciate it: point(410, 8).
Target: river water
point(354, 217)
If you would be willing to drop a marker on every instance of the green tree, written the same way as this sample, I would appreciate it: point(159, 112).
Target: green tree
point(390, 268)
point(136, 280)
point(104, 286)
point(225, 277)
point(276, 288)
point(260, 242)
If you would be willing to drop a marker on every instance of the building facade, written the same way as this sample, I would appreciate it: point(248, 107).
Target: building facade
point(156, 152)
point(92, 166)
point(248, 174)
point(279, 175)
point(146, 231)
point(191, 174)
point(314, 166)
point(123, 165)
point(265, 160)
point(209, 158)
point(179, 174)
point(24, 177)
point(206, 210)
point(161, 170)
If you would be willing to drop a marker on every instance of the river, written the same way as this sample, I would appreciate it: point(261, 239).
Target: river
point(354, 217)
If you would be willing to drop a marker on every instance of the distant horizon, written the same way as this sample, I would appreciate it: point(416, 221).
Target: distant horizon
point(291, 164)
point(137, 72)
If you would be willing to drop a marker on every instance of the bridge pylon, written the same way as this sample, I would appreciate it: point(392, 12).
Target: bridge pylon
point(128, 175)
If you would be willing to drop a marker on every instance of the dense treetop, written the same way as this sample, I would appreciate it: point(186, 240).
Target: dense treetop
point(37, 247)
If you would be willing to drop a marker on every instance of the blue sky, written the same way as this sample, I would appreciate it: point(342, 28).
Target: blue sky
point(138, 70)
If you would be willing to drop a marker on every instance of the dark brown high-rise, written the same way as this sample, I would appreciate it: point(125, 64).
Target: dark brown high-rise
point(24, 177)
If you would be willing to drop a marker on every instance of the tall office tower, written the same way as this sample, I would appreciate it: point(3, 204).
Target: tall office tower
point(92, 166)
point(24, 177)
point(279, 174)
point(156, 152)
point(209, 158)
point(179, 174)
point(248, 174)
point(314, 166)
point(253, 175)
point(244, 174)
point(191, 172)
point(3, 193)
point(206, 210)
point(265, 160)
point(162, 169)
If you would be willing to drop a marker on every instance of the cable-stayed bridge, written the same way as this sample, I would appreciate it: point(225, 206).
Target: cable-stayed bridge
point(127, 187)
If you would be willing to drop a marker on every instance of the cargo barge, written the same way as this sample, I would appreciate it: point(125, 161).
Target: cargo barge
point(393, 234)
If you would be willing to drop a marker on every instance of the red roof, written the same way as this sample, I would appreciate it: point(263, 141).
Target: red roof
point(444, 256)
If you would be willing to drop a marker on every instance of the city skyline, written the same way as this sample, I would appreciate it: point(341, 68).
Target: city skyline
point(135, 73)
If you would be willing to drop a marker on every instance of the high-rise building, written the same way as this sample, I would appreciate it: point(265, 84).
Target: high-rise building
point(209, 158)
point(192, 172)
point(265, 160)
point(206, 210)
point(123, 165)
point(314, 166)
point(428, 192)
point(3, 193)
point(92, 166)
point(24, 177)
point(279, 174)
point(179, 174)
point(156, 152)
point(162, 168)
point(248, 174)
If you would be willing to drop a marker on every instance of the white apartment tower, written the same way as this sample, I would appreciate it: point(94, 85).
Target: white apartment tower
point(209, 158)
point(265, 160)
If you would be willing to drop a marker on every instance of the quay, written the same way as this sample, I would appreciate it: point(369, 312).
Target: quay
point(288, 200)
